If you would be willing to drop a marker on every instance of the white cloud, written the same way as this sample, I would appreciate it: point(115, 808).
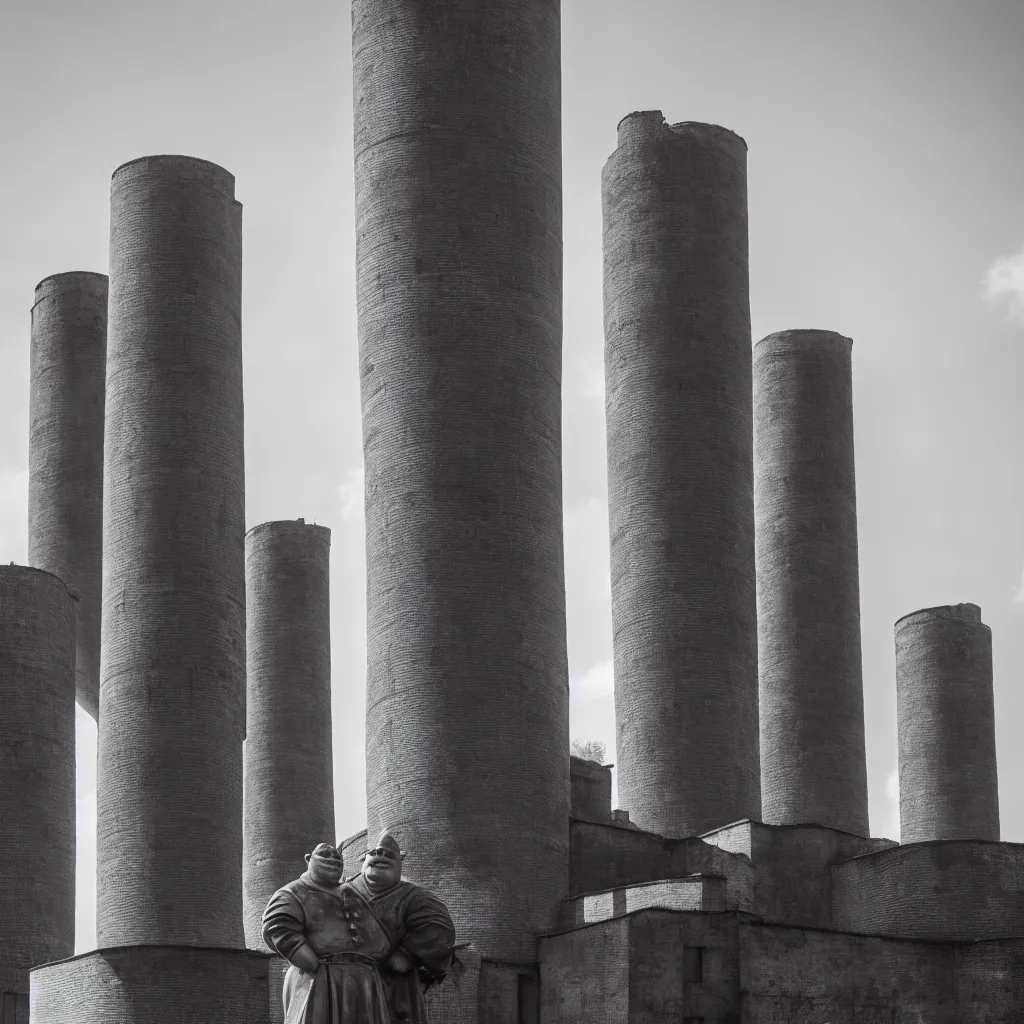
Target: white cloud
point(1018, 591)
point(595, 683)
point(1005, 280)
point(352, 494)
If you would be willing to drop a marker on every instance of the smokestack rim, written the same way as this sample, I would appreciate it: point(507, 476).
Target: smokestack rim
point(289, 525)
point(180, 161)
point(16, 569)
point(701, 129)
point(807, 338)
point(942, 611)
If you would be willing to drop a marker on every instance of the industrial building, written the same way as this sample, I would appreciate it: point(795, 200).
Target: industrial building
point(737, 883)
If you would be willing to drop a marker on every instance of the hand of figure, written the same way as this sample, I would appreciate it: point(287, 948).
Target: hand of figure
point(306, 960)
point(400, 962)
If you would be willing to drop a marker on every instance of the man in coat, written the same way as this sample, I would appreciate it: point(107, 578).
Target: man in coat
point(358, 948)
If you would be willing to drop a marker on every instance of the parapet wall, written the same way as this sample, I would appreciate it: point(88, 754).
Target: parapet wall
point(153, 985)
point(663, 965)
point(792, 881)
point(960, 890)
point(604, 857)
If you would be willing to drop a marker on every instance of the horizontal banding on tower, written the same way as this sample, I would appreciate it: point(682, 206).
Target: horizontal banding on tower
point(289, 779)
point(949, 784)
point(67, 381)
point(813, 763)
point(173, 656)
point(37, 772)
point(680, 474)
point(458, 188)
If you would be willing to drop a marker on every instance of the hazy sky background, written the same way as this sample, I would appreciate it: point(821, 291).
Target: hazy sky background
point(886, 172)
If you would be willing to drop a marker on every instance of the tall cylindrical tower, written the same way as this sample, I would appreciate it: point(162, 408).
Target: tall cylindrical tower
point(459, 257)
point(37, 773)
point(680, 474)
point(65, 452)
point(813, 766)
point(289, 781)
point(949, 785)
point(172, 691)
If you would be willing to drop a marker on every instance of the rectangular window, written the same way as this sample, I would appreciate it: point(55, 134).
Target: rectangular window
point(9, 1013)
point(693, 965)
point(529, 999)
point(693, 1020)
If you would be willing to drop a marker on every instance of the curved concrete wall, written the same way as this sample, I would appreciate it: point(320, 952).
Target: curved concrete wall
point(813, 764)
point(155, 985)
point(289, 778)
point(37, 772)
point(65, 452)
point(947, 891)
point(172, 690)
point(680, 475)
point(949, 781)
point(459, 278)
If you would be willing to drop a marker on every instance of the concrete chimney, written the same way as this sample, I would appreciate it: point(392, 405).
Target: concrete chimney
point(37, 777)
point(680, 475)
point(949, 786)
point(289, 778)
point(172, 691)
point(459, 273)
point(65, 452)
point(813, 766)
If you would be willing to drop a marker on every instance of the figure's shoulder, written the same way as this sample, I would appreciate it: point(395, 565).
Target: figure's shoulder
point(411, 893)
point(296, 889)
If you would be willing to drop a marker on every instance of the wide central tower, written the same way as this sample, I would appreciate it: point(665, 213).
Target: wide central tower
point(459, 262)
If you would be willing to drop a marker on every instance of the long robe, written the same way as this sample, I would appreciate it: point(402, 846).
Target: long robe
point(355, 932)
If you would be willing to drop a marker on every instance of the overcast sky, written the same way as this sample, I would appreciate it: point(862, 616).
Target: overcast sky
point(886, 171)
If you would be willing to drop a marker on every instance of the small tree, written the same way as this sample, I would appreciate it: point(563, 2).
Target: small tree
point(591, 750)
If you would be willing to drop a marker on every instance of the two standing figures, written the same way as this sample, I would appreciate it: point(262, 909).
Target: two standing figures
point(361, 950)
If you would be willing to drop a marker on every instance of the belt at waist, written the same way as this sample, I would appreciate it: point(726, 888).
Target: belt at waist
point(349, 957)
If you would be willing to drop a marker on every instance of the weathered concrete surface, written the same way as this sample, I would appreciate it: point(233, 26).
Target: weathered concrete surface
point(172, 690)
point(990, 982)
point(37, 773)
point(680, 475)
point(459, 273)
point(799, 974)
point(635, 969)
point(65, 452)
point(289, 777)
point(813, 762)
point(153, 985)
point(949, 780)
point(962, 890)
point(584, 975)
